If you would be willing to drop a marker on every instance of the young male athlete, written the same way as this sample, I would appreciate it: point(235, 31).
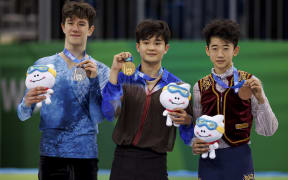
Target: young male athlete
point(221, 93)
point(69, 125)
point(141, 134)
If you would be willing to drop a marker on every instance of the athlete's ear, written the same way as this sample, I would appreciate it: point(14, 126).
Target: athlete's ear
point(91, 30)
point(137, 46)
point(207, 51)
point(63, 27)
point(167, 46)
point(236, 51)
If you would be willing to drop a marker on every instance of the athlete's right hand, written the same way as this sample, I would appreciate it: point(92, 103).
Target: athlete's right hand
point(199, 146)
point(34, 95)
point(119, 60)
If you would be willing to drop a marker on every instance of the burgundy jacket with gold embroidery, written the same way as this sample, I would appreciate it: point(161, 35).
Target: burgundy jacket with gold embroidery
point(237, 112)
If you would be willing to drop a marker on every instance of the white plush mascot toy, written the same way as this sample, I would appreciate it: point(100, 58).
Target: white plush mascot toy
point(174, 97)
point(41, 75)
point(210, 129)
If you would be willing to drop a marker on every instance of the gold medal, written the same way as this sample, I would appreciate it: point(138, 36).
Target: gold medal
point(128, 68)
point(245, 93)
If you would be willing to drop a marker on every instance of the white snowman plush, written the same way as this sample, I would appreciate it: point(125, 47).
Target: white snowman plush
point(210, 129)
point(41, 75)
point(174, 97)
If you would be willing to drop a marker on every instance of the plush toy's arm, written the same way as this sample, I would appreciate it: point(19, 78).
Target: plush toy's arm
point(47, 100)
point(216, 145)
point(50, 91)
point(165, 113)
point(169, 121)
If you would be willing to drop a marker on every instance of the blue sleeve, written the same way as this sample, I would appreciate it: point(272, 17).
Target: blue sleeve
point(24, 112)
point(111, 100)
point(98, 83)
point(95, 93)
point(95, 100)
point(187, 133)
point(104, 73)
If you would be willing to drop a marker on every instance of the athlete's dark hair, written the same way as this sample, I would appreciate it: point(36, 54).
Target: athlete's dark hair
point(225, 29)
point(79, 9)
point(149, 28)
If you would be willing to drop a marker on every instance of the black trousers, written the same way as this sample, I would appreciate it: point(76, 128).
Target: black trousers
point(131, 163)
point(54, 168)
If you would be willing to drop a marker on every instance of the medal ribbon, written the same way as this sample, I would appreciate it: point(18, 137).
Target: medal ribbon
point(79, 73)
point(143, 75)
point(72, 57)
point(148, 78)
point(236, 86)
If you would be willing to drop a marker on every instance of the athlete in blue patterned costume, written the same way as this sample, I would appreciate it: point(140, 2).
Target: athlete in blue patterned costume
point(69, 125)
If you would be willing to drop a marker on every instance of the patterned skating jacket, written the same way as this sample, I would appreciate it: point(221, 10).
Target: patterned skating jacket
point(69, 125)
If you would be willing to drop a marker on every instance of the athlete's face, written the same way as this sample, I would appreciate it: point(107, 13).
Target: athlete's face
point(221, 53)
point(77, 30)
point(152, 50)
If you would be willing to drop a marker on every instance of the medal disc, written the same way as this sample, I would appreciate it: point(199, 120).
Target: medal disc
point(245, 93)
point(128, 68)
point(79, 74)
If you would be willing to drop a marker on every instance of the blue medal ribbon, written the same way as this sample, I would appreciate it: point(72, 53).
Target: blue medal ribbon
point(129, 59)
point(236, 85)
point(148, 78)
point(72, 57)
point(143, 75)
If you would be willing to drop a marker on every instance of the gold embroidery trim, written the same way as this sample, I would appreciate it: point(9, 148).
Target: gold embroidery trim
point(206, 83)
point(249, 177)
point(241, 126)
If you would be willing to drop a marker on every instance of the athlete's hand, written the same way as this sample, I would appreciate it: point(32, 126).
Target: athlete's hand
point(180, 116)
point(256, 88)
point(34, 95)
point(90, 67)
point(118, 61)
point(199, 146)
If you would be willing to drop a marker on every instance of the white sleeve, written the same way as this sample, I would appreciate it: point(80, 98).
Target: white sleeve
point(266, 122)
point(197, 107)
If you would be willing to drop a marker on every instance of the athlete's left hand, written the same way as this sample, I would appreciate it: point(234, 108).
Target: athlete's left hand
point(180, 116)
point(90, 68)
point(256, 88)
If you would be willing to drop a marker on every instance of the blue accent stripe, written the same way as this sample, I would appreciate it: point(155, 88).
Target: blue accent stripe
point(35, 171)
point(18, 171)
point(179, 173)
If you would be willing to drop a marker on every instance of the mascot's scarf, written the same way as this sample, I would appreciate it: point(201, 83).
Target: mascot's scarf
point(217, 141)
